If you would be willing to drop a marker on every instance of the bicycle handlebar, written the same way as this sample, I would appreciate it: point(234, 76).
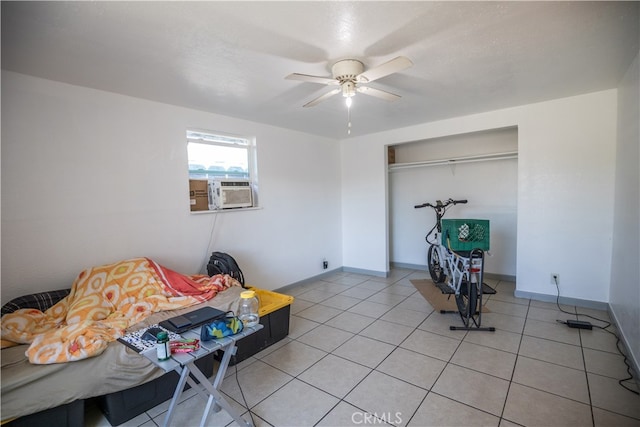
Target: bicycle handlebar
point(439, 204)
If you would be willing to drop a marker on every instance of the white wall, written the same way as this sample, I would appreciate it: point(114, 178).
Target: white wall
point(566, 165)
point(625, 272)
point(489, 186)
point(91, 177)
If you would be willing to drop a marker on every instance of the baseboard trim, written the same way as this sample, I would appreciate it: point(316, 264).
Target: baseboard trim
point(364, 271)
point(315, 278)
point(494, 276)
point(597, 305)
point(631, 357)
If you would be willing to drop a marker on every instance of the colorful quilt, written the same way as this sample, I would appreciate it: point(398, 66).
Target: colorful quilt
point(103, 302)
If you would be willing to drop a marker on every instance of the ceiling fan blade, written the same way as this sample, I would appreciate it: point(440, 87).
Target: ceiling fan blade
point(378, 93)
point(395, 65)
point(312, 79)
point(321, 98)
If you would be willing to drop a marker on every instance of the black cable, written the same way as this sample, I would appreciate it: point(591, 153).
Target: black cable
point(235, 365)
point(604, 328)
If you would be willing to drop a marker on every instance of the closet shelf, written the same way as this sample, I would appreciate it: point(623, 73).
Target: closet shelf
point(455, 160)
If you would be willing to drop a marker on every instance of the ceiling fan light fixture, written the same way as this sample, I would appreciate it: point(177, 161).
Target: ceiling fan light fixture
point(348, 89)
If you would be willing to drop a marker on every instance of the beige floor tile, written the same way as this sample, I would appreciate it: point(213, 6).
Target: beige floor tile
point(382, 394)
point(300, 289)
point(387, 298)
point(319, 313)
point(334, 288)
point(405, 317)
point(273, 347)
point(506, 423)
point(359, 293)
point(438, 410)
point(602, 315)
point(481, 391)
point(498, 339)
point(299, 326)
point(485, 359)
point(372, 285)
point(552, 351)
point(604, 418)
point(412, 367)
point(388, 332)
point(417, 304)
point(605, 363)
point(431, 344)
point(325, 338)
point(552, 331)
point(257, 380)
point(507, 308)
point(344, 414)
point(598, 339)
point(529, 407)
point(399, 289)
point(299, 304)
point(295, 404)
point(335, 375)
point(506, 296)
point(548, 315)
point(370, 309)
point(560, 380)
point(504, 322)
point(341, 302)
point(350, 279)
point(551, 305)
point(350, 322)
point(607, 394)
point(294, 357)
point(190, 412)
point(439, 323)
point(364, 351)
point(314, 295)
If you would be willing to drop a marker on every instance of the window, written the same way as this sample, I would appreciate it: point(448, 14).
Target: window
point(216, 157)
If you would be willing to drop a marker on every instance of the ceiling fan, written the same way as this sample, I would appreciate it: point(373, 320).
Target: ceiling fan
point(351, 76)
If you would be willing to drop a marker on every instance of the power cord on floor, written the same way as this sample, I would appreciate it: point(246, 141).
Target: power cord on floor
point(604, 328)
point(246, 405)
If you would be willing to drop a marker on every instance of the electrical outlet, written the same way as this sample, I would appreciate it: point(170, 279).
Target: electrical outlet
point(325, 264)
point(555, 279)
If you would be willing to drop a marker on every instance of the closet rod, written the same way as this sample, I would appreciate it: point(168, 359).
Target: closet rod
point(456, 160)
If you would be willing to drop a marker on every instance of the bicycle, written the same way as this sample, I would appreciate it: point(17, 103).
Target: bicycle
point(459, 271)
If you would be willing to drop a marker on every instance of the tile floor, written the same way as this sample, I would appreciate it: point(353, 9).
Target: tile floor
point(362, 346)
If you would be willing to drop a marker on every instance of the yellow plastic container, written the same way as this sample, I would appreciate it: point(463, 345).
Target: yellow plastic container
point(270, 301)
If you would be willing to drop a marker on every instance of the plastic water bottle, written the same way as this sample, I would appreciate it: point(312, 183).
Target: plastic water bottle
point(248, 308)
point(162, 346)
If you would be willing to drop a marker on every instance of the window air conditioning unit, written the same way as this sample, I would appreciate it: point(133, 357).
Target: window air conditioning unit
point(230, 193)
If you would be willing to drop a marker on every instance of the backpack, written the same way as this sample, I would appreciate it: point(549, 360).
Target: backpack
point(222, 263)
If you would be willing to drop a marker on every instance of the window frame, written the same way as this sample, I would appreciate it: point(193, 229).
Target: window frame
point(198, 136)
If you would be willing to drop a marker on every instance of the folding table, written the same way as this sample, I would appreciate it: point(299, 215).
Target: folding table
point(184, 365)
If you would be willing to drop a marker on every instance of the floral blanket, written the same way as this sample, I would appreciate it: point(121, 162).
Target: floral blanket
point(103, 302)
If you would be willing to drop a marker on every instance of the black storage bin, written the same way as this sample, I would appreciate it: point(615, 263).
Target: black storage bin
point(275, 309)
point(70, 415)
point(124, 405)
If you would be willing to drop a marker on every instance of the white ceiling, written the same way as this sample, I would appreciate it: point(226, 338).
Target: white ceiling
point(231, 57)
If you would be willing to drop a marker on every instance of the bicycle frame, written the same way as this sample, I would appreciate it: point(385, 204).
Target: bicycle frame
point(456, 270)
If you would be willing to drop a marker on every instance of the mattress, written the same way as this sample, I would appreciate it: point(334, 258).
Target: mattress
point(28, 388)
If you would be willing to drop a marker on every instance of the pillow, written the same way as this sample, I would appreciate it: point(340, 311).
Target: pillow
point(41, 300)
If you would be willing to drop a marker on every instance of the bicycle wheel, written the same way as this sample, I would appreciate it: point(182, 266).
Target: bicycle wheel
point(435, 267)
point(467, 301)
